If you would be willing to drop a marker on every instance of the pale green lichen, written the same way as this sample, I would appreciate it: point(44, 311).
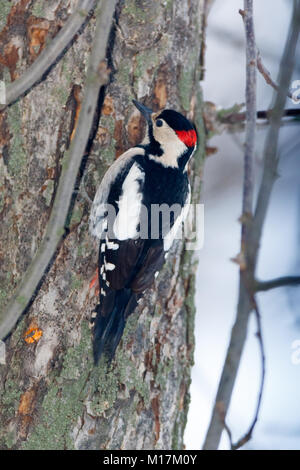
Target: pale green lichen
point(145, 60)
point(224, 112)
point(185, 82)
point(123, 74)
point(66, 69)
point(76, 282)
point(11, 396)
point(5, 7)
point(136, 11)
point(10, 439)
point(61, 94)
point(48, 192)
point(38, 8)
point(107, 390)
point(3, 295)
point(63, 402)
point(75, 217)
point(108, 153)
point(17, 154)
point(22, 300)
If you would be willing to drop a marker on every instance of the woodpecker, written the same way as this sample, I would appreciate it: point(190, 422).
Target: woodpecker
point(133, 243)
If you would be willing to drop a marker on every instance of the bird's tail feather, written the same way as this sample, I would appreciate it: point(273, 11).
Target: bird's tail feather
point(109, 326)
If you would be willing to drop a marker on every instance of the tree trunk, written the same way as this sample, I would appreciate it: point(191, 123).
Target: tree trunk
point(52, 396)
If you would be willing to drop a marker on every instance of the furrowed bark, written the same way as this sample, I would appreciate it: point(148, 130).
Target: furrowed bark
point(51, 395)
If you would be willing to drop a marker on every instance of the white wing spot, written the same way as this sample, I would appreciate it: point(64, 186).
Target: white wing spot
point(109, 266)
point(112, 245)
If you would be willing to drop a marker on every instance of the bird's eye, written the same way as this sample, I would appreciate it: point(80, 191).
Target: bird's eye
point(159, 122)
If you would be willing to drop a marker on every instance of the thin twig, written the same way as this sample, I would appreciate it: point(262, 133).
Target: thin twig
point(97, 76)
point(267, 76)
point(49, 55)
point(261, 286)
point(248, 435)
point(262, 69)
point(239, 330)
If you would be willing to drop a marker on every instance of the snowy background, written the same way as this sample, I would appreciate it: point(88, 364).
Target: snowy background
point(217, 277)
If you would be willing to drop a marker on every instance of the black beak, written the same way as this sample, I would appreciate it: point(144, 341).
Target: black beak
point(146, 112)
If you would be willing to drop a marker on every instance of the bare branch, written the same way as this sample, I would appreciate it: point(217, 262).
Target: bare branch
point(97, 76)
point(239, 118)
point(248, 435)
point(50, 54)
point(238, 334)
point(267, 76)
point(261, 286)
point(251, 248)
point(271, 143)
point(262, 69)
point(250, 116)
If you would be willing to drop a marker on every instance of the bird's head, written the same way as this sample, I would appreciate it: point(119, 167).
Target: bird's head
point(171, 138)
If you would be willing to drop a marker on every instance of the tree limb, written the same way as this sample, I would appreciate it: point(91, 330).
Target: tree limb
point(267, 76)
point(97, 76)
point(49, 55)
point(250, 117)
point(239, 118)
point(239, 330)
point(248, 435)
point(261, 286)
point(262, 69)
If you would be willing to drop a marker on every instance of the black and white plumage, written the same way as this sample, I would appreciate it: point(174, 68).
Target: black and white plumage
point(132, 250)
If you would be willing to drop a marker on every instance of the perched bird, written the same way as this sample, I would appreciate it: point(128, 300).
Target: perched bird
point(133, 241)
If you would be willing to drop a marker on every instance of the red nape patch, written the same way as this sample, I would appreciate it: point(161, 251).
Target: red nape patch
point(189, 138)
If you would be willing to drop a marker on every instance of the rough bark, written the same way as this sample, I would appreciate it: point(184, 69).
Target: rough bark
point(51, 395)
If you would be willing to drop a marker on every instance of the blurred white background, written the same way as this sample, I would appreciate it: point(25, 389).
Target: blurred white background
point(217, 278)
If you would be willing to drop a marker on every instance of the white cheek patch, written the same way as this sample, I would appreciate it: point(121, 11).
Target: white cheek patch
point(130, 202)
